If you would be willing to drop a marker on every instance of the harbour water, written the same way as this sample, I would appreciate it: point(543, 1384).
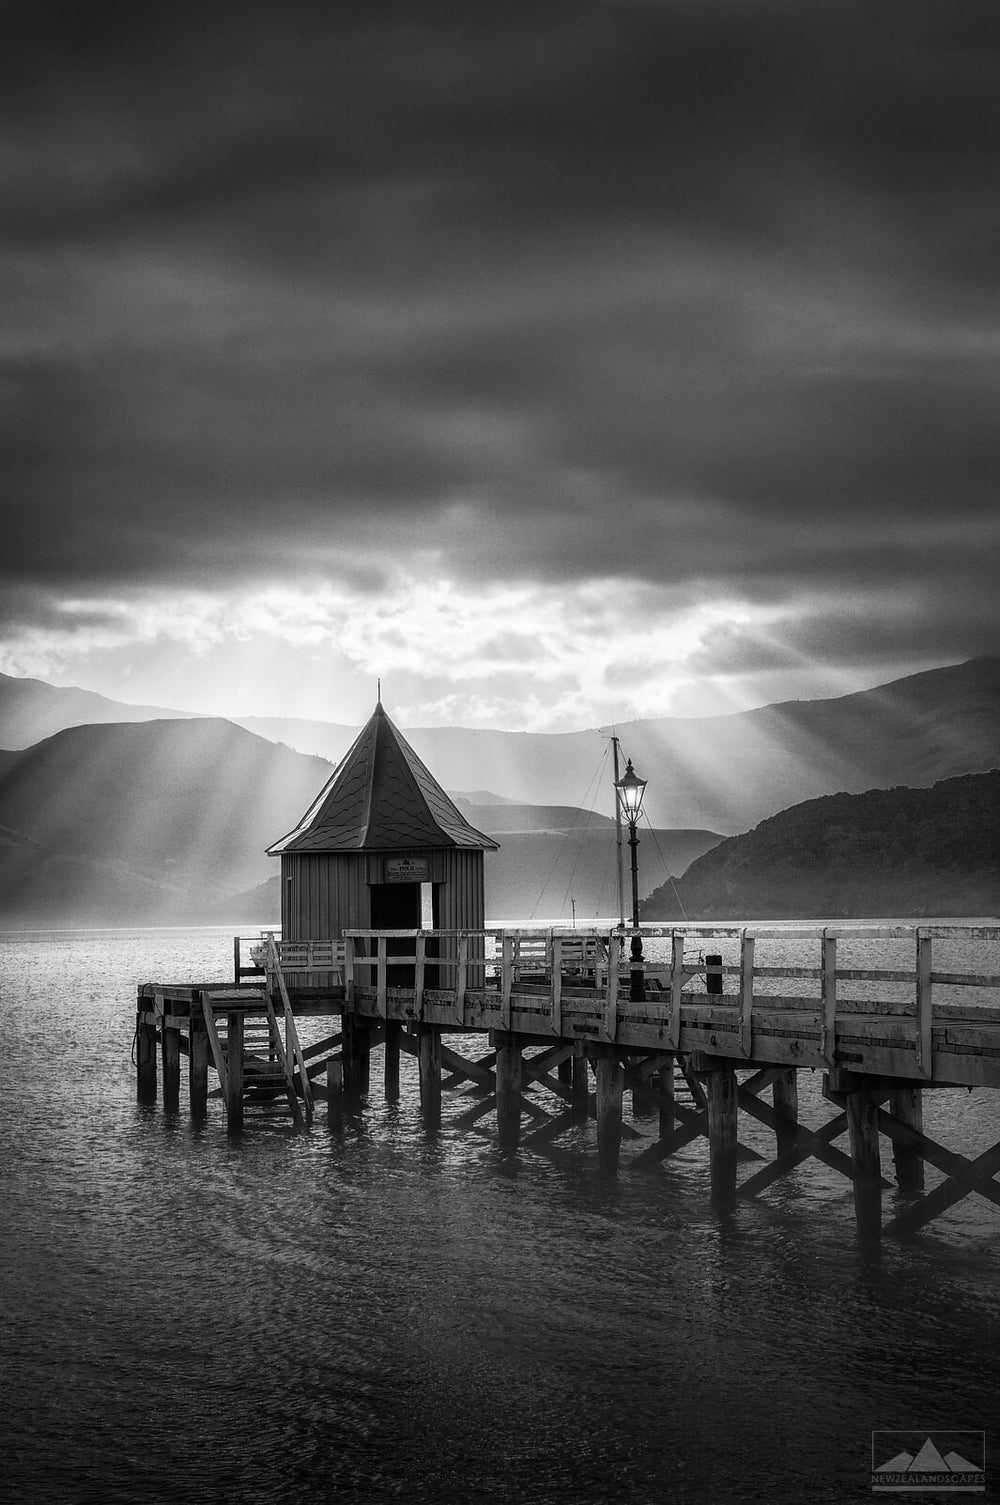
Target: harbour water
point(381, 1316)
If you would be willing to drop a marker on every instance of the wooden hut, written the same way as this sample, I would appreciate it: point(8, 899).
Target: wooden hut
point(382, 847)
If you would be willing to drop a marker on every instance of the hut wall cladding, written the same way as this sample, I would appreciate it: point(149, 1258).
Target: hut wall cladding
point(462, 903)
point(328, 894)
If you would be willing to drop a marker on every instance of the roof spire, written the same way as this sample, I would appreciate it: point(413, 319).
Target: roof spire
point(378, 691)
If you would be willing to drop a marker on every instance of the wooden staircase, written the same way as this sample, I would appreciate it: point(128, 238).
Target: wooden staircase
point(269, 1073)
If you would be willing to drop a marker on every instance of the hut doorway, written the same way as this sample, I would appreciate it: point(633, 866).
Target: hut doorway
point(396, 906)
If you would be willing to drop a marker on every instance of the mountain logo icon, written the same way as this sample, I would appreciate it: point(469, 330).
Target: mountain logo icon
point(925, 1462)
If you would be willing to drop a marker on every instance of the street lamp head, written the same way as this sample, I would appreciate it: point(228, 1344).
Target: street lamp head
point(630, 792)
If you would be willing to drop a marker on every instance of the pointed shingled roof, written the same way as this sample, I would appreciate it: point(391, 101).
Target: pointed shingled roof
point(380, 797)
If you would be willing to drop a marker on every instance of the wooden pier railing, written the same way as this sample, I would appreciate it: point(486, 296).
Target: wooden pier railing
point(916, 1020)
point(808, 1012)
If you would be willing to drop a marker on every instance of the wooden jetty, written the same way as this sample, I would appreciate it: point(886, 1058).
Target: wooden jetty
point(536, 1030)
point(384, 938)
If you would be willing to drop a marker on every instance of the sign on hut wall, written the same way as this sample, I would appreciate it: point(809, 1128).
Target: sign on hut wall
point(406, 870)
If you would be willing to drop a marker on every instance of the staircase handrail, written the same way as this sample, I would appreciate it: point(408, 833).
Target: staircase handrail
point(274, 969)
point(275, 1033)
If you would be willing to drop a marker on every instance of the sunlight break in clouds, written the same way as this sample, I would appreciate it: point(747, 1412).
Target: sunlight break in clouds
point(515, 656)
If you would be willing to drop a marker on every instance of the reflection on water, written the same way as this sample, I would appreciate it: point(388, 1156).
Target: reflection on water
point(382, 1316)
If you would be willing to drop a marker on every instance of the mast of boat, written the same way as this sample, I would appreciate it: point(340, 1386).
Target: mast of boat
point(618, 839)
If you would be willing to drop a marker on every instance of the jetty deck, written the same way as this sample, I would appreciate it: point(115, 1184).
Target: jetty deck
point(561, 1025)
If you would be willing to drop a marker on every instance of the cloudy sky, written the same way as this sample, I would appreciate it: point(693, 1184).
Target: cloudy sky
point(559, 363)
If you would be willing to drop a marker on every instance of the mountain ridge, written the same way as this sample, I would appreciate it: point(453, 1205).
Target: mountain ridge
point(721, 773)
point(181, 807)
point(32, 710)
point(901, 851)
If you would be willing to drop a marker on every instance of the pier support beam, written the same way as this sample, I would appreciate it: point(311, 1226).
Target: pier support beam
point(564, 1071)
point(666, 1098)
point(145, 1061)
point(644, 1102)
point(861, 1105)
point(171, 1054)
point(391, 1071)
point(354, 1053)
point(785, 1096)
point(906, 1104)
point(720, 1091)
point(335, 1094)
point(364, 1061)
point(581, 1087)
point(610, 1085)
point(429, 1037)
point(509, 1072)
point(198, 1067)
point(234, 1072)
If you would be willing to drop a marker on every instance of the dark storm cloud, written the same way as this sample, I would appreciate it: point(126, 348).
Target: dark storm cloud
point(849, 634)
point(286, 288)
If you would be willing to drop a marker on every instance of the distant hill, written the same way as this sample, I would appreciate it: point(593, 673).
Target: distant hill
point(716, 773)
point(31, 710)
point(725, 773)
point(497, 817)
point(902, 852)
point(552, 856)
point(536, 875)
point(481, 797)
point(45, 886)
point(147, 822)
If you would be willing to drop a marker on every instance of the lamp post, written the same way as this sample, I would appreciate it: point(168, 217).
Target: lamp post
point(630, 792)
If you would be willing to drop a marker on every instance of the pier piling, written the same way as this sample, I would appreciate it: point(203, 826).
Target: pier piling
point(644, 1101)
point(198, 1067)
point(610, 1085)
point(171, 1057)
point(145, 1061)
point(785, 1097)
point(393, 1030)
point(234, 1072)
point(430, 1075)
point(861, 1104)
point(666, 1097)
point(720, 1090)
point(581, 1086)
point(509, 1070)
point(906, 1104)
point(354, 1052)
point(335, 1093)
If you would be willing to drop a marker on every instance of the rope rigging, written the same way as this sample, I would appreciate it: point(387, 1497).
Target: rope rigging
point(591, 792)
point(595, 784)
point(670, 877)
